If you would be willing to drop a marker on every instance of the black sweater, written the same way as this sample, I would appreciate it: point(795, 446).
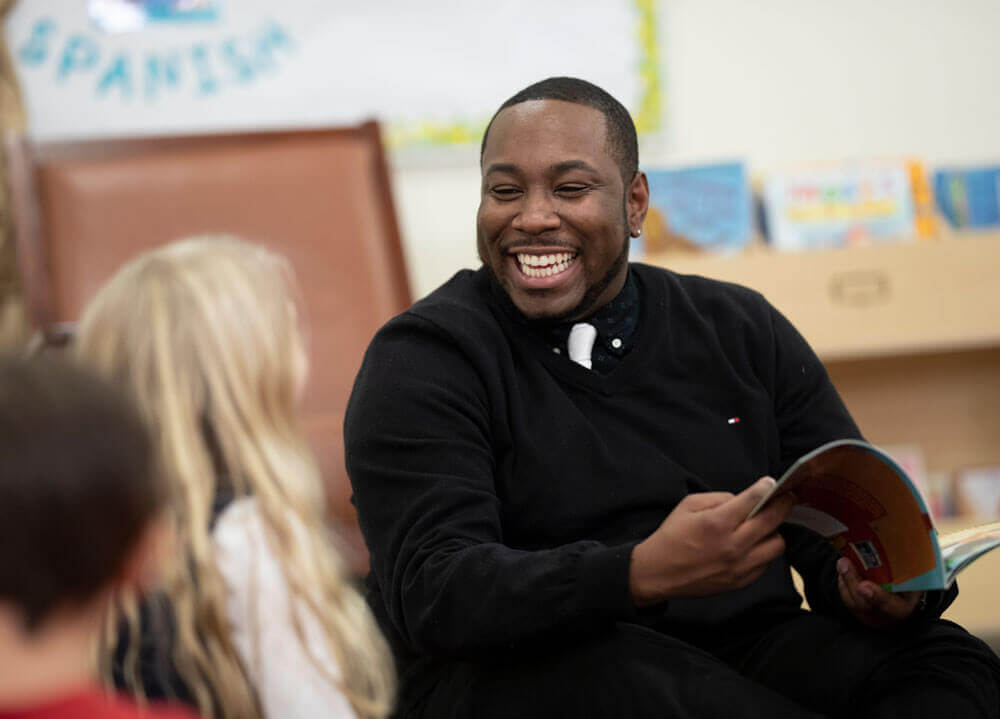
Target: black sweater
point(501, 488)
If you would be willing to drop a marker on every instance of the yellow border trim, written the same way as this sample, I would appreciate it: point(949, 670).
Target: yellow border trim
point(648, 116)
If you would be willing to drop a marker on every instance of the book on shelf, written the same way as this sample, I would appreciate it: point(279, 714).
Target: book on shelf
point(969, 197)
point(845, 204)
point(697, 208)
point(862, 501)
point(925, 220)
point(978, 490)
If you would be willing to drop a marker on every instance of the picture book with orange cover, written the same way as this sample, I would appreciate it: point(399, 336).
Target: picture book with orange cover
point(856, 496)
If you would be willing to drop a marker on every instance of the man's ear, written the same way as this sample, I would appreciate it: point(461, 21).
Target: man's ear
point(142, 568)
point(637, 201)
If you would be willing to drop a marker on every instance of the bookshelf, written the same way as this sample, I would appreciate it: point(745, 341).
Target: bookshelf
point(910, 334)
point(864, 302)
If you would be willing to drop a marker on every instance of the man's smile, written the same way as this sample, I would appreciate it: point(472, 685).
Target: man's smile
point(544, 265)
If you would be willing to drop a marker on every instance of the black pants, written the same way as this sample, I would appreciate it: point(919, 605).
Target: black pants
point(805, 666)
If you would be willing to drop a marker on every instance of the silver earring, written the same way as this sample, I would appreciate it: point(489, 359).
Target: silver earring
point(637, 233)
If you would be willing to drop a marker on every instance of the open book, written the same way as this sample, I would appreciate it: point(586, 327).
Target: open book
point(856, 496)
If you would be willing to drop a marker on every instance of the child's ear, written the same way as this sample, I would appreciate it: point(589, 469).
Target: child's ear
point(143, 567)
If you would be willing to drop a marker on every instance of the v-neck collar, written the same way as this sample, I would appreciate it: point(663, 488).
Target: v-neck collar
point(516, 328)
point(615, 323)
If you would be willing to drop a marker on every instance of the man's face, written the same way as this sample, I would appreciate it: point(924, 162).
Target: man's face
point(554, 215)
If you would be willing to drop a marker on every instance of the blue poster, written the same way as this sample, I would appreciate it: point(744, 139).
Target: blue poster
point(700, 207)
point(969, 197)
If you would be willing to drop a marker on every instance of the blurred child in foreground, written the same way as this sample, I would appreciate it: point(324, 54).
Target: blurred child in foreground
point(256, 617)
point(79, 500)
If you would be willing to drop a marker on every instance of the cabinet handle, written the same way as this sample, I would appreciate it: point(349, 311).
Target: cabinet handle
point(860, 288)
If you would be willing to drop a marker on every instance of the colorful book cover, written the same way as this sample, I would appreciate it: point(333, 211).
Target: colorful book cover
point(970, 197)
point(698, 207)
point(838, 206)
point(866, 505)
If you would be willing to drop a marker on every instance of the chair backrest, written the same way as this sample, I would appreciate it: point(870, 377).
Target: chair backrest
point(319, 197)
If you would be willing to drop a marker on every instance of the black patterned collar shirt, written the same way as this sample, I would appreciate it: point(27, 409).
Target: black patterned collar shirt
point(616, 323)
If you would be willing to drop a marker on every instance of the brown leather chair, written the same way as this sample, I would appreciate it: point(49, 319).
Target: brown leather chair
point(320, 197)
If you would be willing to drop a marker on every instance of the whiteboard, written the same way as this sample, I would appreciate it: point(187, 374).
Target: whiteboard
point(432, 71)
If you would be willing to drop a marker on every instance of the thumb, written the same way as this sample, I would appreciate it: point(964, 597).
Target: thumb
point(741, 505)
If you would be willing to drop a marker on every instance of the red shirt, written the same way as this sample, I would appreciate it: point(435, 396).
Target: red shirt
point(94, 703)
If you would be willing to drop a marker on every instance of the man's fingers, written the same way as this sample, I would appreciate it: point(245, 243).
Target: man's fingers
point(764, 552)
point(756, 561)
point(765, 523)
point(892, 605)
point(869, 594)
point(701, 501)
point(739, 507)
point(853, 604)
point(849, 582)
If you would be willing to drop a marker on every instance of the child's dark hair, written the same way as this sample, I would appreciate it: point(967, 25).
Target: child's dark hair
point(77, 485)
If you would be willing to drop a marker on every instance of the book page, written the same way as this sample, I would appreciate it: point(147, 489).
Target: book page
point(960, 549)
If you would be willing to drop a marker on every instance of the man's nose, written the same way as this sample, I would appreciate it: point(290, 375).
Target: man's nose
point(537, 214)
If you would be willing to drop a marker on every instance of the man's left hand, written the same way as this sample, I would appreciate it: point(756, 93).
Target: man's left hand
point(869, 603)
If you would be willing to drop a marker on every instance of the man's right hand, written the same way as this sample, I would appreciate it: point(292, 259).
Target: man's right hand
point(706, 545)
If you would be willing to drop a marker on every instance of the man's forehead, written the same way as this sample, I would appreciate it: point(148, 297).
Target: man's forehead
point(552, 121)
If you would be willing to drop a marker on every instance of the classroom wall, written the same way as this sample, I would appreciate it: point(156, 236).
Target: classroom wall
point(774, 83)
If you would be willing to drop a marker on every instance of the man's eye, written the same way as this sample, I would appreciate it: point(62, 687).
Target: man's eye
point(505, 192)
point(571, 190)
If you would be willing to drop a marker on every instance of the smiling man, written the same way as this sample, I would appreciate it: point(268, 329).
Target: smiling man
point(554, 494)
point(558, 203)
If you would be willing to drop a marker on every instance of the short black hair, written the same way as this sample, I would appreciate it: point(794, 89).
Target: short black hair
point(78, 485)
point(622, 138)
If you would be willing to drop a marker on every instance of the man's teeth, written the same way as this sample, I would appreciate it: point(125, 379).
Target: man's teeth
point(544, 265)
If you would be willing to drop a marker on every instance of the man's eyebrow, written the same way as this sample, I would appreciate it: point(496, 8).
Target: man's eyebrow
point(511, 168)
point(501, 167)
point(572, 165)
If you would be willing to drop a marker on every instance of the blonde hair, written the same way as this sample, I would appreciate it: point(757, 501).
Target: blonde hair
point(205, 333)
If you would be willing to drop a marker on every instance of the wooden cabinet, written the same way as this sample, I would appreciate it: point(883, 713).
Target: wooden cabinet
point(910, 334)
point(865, 302)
